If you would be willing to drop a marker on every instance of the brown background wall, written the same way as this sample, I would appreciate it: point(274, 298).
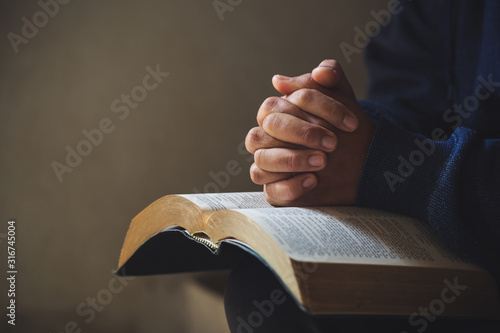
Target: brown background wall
point(64, 80)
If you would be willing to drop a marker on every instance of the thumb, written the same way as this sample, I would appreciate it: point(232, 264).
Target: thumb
point(329, 74)
point(326, 76)
point(287, 85)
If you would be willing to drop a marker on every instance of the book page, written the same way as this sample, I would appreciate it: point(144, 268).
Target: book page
point(353, 235)
point(211, 202)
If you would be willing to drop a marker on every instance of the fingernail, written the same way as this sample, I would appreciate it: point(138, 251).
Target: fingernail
point(331, 69)
point(316, 160)
point(350, 122)
point(282, 77)
point(309, 182)
point(328, 142)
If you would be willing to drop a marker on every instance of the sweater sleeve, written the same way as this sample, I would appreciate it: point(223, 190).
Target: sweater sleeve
point(418, 165)
point(454, 185)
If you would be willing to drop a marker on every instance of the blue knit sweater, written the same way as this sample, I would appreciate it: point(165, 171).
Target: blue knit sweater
point(435, 94)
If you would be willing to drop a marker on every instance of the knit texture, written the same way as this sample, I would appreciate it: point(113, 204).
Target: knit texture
point(435, 96)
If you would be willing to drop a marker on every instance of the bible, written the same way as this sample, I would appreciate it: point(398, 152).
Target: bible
point(332, 260)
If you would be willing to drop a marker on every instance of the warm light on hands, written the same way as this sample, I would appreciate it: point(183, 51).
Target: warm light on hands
point(311, 144)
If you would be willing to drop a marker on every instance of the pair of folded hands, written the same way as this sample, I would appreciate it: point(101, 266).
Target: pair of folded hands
point(311, 143)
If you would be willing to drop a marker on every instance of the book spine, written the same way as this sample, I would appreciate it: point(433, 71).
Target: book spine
point(205, 242)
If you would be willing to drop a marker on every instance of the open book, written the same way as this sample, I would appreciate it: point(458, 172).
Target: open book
point(344, 260)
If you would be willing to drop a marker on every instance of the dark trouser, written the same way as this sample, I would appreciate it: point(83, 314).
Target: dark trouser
point(256, 302)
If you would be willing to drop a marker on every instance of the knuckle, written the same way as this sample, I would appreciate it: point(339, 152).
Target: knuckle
point(309, 134)
point(293, 161)
point(291, 193)
point(281, 193)
point(304, 96)
point(253, 139)
point(273, 121)
point(256, 174)
point(270, 103)
point(258, 157)
point(270, 197)
point(266, 108)
point(263, 159)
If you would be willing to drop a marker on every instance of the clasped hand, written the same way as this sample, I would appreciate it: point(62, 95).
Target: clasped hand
point(311, 143)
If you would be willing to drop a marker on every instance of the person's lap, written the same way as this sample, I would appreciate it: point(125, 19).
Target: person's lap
point(256, 302)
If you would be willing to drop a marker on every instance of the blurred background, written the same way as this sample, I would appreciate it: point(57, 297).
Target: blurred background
point(72, 69)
